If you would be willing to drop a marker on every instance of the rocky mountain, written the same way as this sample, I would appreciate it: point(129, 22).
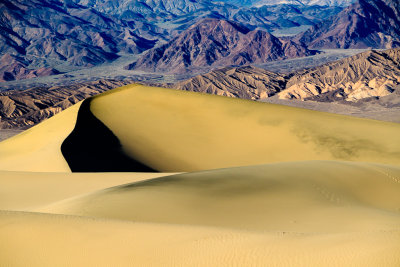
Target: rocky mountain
point(22, 109)
point(342, 3)
point(145, 7)
point(366, 23)
point(214, 42)
point(273, 17)
point(372, 74)
point(16, 68)
point(178, 15)
point(49, 33)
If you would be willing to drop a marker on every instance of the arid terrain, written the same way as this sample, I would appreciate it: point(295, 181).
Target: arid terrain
point(199, 133)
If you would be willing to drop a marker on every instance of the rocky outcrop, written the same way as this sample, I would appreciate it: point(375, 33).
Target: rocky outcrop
point(214, 42)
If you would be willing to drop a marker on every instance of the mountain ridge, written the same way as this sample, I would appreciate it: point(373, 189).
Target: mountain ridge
point(215, 42)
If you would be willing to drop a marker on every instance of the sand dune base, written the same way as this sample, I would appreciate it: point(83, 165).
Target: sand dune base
point(57, 240)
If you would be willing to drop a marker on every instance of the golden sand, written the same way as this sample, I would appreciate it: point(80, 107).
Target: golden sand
point(326, 192)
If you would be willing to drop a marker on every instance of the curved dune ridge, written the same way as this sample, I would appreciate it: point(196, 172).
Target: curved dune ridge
point(263, 184)
point(146, 128)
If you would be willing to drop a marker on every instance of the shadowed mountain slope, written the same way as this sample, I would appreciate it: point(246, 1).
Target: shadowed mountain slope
point(366, 23)
point(50, 33)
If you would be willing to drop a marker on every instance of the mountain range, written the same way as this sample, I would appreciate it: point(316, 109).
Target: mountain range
point(39, 38)
point(342, 3)
point(40, 34)
point(364, 24)
point(214, 42)
point(372, 76)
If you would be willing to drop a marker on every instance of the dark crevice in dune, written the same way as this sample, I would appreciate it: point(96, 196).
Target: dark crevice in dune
point(92, 147)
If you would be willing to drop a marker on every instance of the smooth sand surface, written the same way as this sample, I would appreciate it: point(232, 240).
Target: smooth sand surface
point(177, 131)
point(317, 213)
point(24, 191)
point(38, 148)
point(34, 239)
point(314, 196)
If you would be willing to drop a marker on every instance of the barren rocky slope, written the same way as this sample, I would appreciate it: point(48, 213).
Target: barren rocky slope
point(22, 109)
point(16, 68)
point(50, 33)
point(365, 75)
point(214, 42)
point(366, 23)
point(369, 74)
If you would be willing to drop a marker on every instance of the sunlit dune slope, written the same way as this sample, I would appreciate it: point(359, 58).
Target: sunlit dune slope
point(38, 149)
point(313, 196)
point(171, 130)
point(25, 191)
point(58, 240)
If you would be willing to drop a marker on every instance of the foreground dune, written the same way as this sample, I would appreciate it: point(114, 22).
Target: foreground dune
point(25, 191)
point(139, 128)
point(318, 213)
point(310, 196)
point(58, 240)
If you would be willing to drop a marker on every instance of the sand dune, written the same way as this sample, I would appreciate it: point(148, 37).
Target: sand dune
point(174, 131)
point(288, 214)
point(25, 191)
point(143, 128)
point(38, 149)
point(315, 196)
point(274, 185)
point(57, 240)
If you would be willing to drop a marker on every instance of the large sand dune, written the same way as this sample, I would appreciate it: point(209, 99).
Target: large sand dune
point(264, 185)
point(139, 128)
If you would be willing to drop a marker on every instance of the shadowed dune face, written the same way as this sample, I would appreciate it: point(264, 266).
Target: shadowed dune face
point(92, 147)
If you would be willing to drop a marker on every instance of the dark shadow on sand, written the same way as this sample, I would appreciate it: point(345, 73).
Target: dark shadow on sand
point(92, 147)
